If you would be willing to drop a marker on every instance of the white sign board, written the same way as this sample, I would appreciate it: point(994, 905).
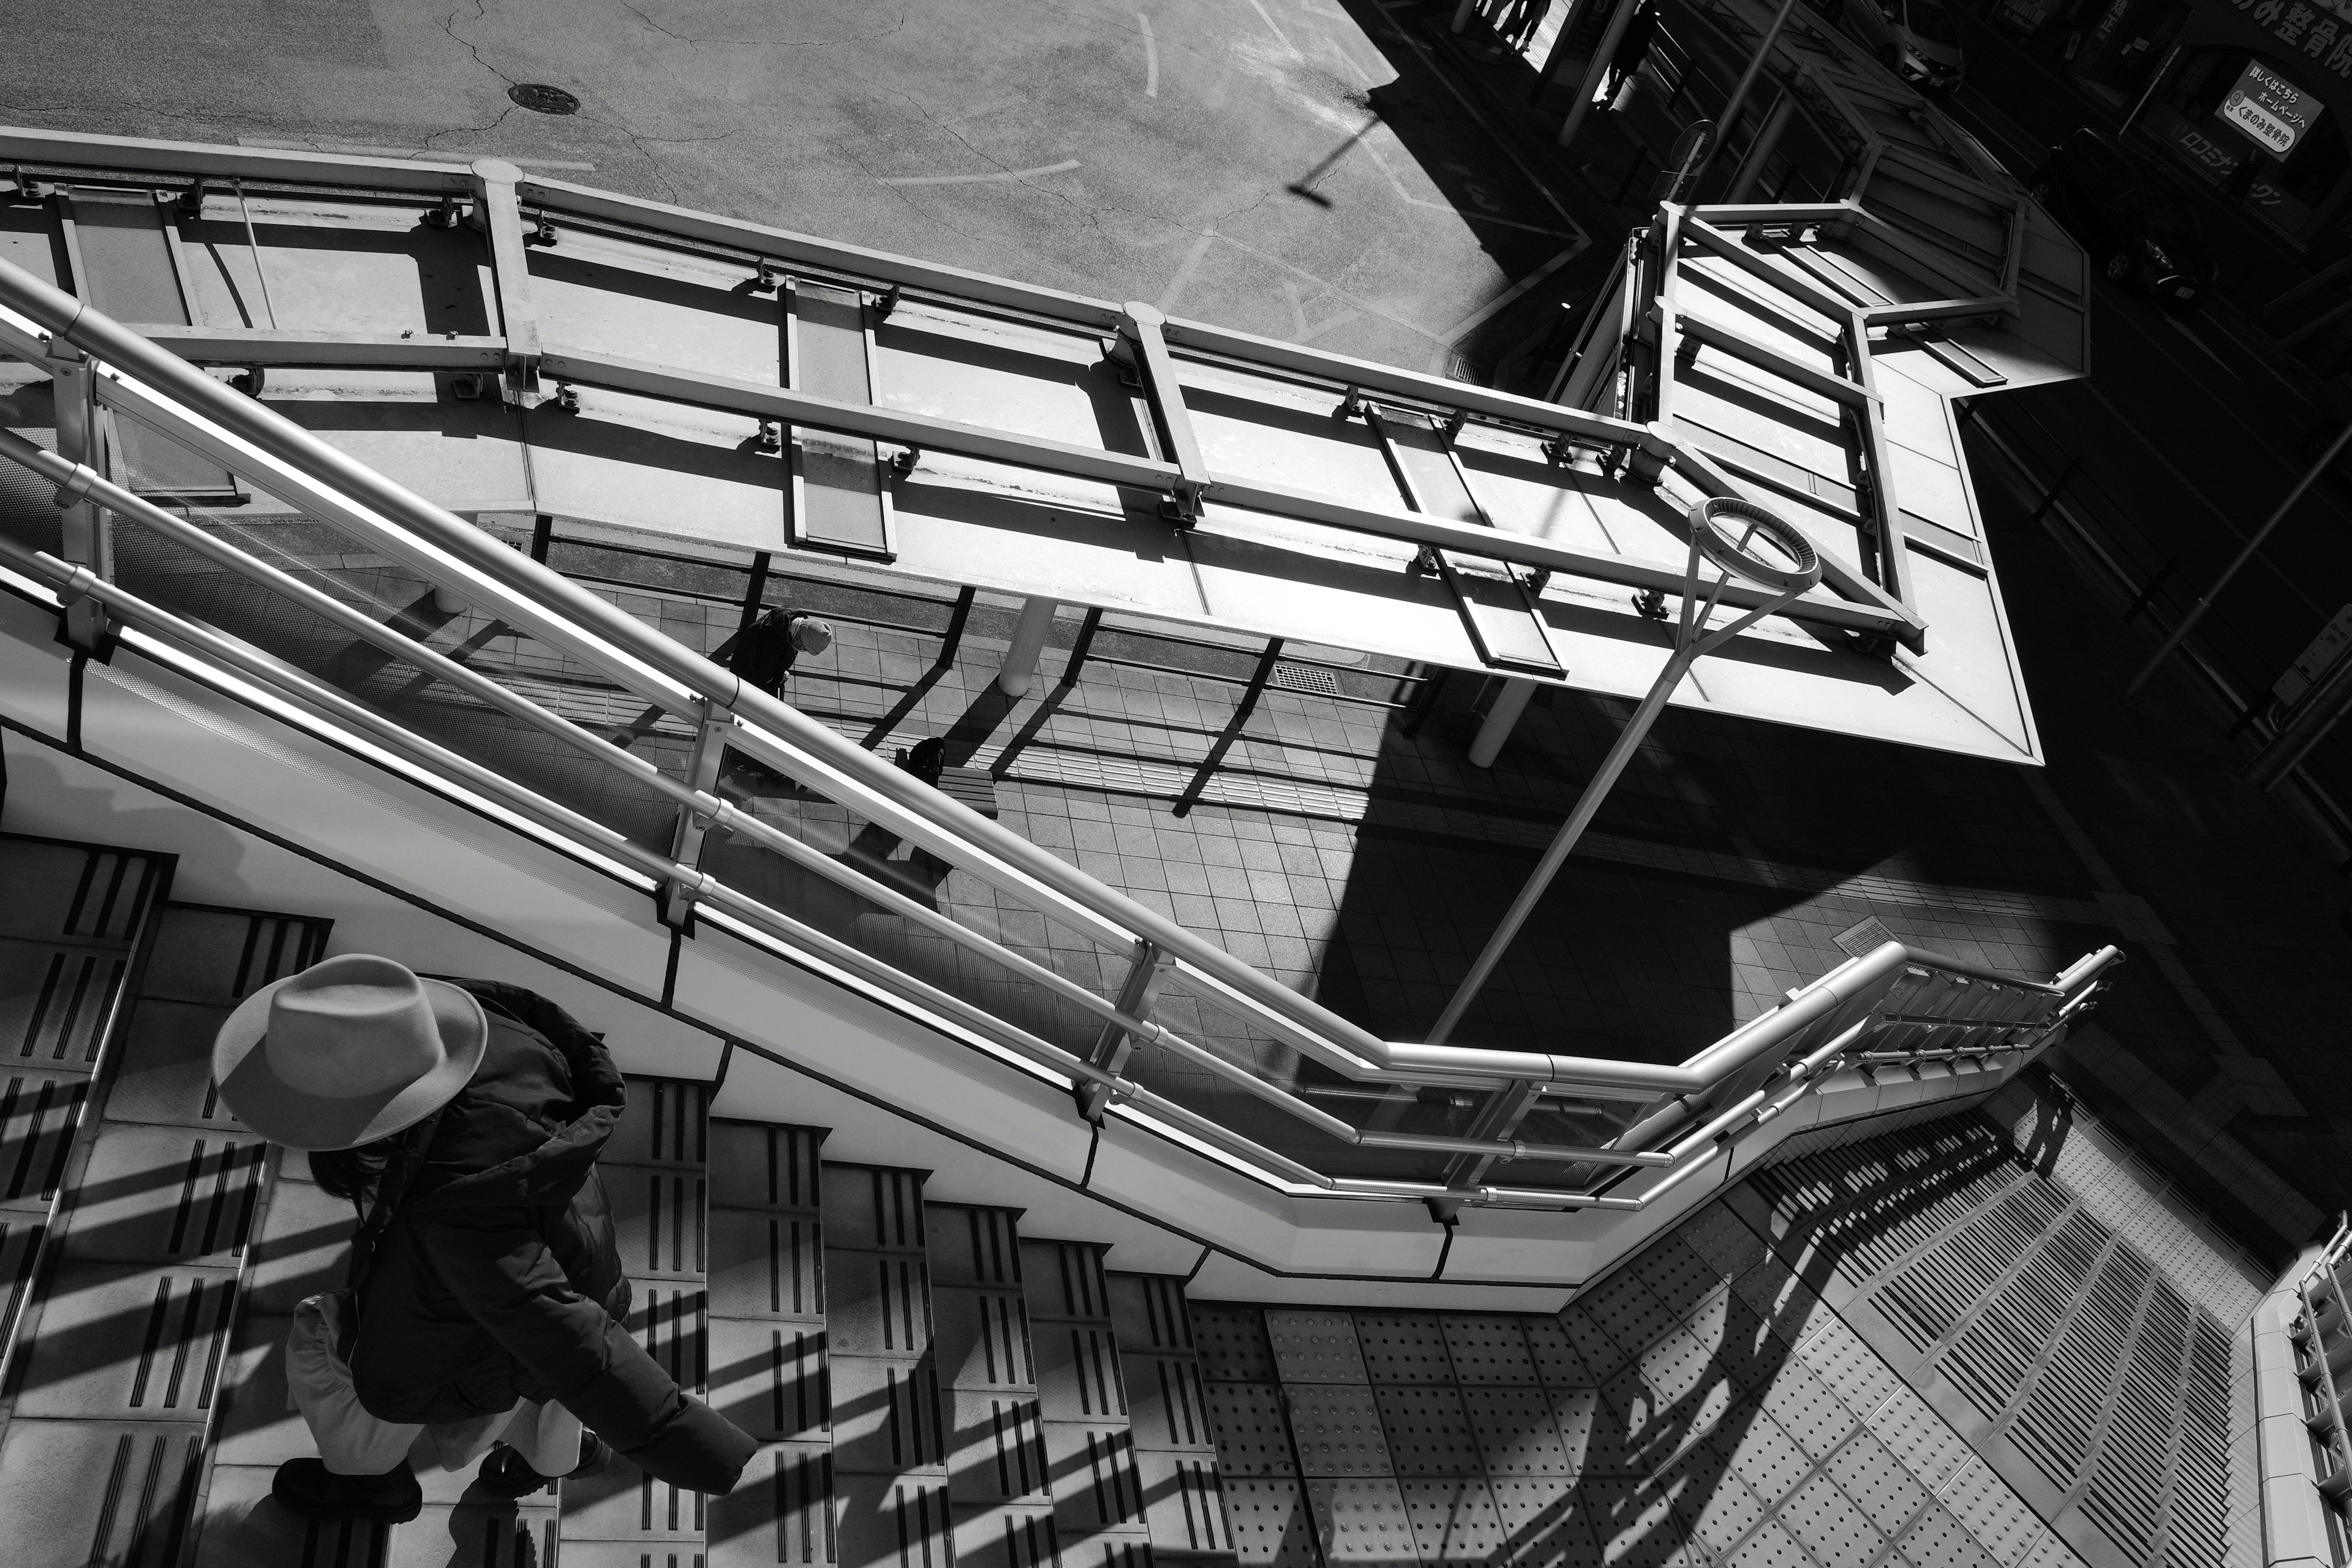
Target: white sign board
point(2314, 663)
point(2270, 109)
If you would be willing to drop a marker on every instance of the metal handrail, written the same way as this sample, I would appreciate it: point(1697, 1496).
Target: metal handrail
point(428, 537)
point(2337, 1486)
point(73, 581)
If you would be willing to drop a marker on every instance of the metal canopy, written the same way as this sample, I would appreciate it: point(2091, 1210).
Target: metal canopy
point(504, 345)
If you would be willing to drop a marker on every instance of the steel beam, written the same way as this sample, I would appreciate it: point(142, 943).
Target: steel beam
point(501, 213)
point(1140, 327)
point(257, 346)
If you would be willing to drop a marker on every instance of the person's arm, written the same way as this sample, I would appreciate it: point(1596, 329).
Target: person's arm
point(502, 1274)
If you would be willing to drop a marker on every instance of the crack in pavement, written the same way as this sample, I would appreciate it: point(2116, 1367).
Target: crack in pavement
point(690, 41)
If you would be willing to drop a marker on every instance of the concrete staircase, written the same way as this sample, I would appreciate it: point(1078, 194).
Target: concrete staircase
point(930, 1388)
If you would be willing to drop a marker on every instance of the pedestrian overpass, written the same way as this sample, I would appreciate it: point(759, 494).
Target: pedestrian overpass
point(1022, 1223)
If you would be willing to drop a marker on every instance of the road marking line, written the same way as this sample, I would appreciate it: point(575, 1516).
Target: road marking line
point(1479, 316)
point(1150, 58)
point(359, 149)
point(1065, 167)
point(1337, 293)
point(1184, 270)
point(1267, 16)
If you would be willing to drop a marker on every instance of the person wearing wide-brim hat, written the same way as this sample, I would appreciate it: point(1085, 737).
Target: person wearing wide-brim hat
point(486, 1313)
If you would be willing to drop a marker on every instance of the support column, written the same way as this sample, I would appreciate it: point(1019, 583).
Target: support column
point(1760, 151)
point(1020, 668)
point(1502, 717)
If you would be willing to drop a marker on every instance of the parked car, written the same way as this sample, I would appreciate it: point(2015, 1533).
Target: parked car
point(1918, 41)
point(2135, 225)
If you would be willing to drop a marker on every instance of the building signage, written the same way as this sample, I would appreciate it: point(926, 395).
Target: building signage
point(2270, 109)
point(2319, 31)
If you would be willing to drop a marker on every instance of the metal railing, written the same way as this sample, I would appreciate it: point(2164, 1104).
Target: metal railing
point(2323, 1341)
point(1893, 1006)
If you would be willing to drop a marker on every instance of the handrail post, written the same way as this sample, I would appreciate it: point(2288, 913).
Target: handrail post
point(1138, 995)
point(86, 532)
point(676, 900)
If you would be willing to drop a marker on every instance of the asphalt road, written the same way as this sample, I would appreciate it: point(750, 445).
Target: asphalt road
point(1258, 162)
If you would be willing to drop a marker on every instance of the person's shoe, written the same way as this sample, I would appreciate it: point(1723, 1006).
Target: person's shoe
point(505, 1474)
point(307, 1488)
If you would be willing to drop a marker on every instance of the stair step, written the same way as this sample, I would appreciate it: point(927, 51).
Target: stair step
point(768, 1344)
point(655, 1172)
point(889, 1470)
point(134, 1340)
point(999, 1493)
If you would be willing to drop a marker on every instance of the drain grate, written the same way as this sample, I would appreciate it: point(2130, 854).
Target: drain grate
point(1305, 678)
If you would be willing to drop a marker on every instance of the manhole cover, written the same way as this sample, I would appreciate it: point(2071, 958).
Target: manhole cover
point(541, 98)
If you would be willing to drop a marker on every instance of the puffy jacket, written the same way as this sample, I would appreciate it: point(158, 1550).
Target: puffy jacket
point(497, 1276)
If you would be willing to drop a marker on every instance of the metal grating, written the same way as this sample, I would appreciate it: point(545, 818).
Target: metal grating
point(2100, 1391)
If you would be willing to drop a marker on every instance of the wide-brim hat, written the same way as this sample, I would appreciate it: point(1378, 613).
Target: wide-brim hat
point(353, 1049)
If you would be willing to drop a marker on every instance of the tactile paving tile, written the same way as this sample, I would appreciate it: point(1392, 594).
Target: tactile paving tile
point(1338, 1429)
point(1429, 1431)
point(1918, 1436)
point(1544, 1521)
point(1989, 1509)
point(1403, 1347)
point(122, 1342)
point(1252, 1430)
point(1857, 1374)
point(1764, 1456)
point(1516, 1433)
point(1805, 1406)
point(1624, 1310)
point(1829, 1523)
point(1770, 1547)
point(1937, 1540)
point(783, 1513)
point(1673, 1273)
point(1271, 1522)
point(1591, 1434)
point(1453, 1520)
point(1735, 1339)
point(1314, 1347)
point(1723, 1241)
point(156, 1192)
point(1721, 1508)
point(971, 1246)
point(1677, 1365)
point(1866, 1470)
point(1167, 1404)
point(1556, 1363)
point(886, 1416)
point(1634, 1524)
point(1361, 1520)
point(1488, 1348)
point(1233, 1345)
point(1593, 1350)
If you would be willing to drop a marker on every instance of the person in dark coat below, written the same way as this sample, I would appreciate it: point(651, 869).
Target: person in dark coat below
point(464, 1117)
